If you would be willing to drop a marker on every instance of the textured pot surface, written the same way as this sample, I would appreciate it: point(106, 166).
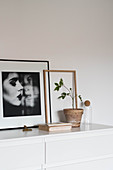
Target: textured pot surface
point(73, 116)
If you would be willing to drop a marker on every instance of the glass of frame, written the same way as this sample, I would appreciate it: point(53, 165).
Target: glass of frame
point(46, 89)
point(22, 93)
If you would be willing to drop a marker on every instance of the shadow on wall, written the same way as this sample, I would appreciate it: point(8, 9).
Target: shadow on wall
point(61, 116)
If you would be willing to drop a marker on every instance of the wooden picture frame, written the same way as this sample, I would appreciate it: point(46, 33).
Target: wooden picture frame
point(45, 88)
point(22, 105)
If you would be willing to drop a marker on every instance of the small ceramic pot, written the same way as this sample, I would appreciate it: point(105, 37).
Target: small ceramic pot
point(73, 116)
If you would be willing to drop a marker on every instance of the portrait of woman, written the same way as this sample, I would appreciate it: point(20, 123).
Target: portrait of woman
point(19, 98)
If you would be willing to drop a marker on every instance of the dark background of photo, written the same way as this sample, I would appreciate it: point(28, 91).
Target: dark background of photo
point(24, 110)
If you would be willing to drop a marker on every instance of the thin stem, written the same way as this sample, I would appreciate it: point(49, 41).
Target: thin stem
point(68, 91)
point(70, 94)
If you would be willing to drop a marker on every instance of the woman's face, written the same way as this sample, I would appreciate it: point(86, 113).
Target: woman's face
point(13, 90)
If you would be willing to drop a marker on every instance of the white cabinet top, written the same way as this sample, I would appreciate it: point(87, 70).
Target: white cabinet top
point(36, 133)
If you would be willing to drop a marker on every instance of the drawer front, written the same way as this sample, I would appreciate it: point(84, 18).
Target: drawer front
point(22, 155)
point(105, 164)
point(78, 148)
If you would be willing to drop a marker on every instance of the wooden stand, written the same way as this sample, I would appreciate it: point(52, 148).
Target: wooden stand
point(55, 127)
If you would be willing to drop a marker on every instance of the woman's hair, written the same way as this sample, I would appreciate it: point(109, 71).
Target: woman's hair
point(4, 76)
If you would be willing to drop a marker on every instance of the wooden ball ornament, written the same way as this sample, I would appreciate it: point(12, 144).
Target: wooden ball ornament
point(87, 103)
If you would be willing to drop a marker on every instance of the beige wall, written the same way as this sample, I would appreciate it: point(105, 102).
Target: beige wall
point(71, 34)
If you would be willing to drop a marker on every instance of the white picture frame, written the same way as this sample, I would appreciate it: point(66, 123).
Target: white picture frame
point(27, 106)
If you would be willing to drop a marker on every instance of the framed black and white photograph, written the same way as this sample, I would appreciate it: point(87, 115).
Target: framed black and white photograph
point(22, 93)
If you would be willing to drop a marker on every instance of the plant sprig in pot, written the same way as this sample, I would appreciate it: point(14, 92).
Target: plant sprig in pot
point(72, 115)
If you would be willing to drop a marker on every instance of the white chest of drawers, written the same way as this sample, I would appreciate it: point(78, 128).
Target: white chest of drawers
point(80, 149)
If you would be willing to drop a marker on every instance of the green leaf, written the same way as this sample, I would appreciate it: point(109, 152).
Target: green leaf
point(59, 97)
point(63, 94)
point(56, 84)
point(68, 94)
point(56, 88)
point(61, 82)
point(80, 98)
point(63, 97)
